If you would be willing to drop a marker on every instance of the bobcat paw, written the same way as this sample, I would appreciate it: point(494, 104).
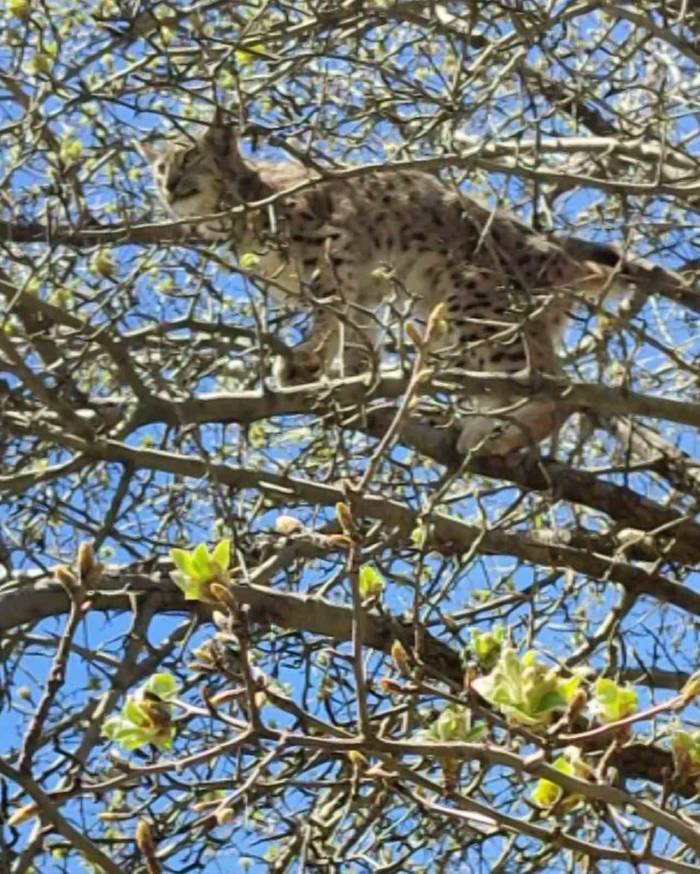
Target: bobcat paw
point(300, 368)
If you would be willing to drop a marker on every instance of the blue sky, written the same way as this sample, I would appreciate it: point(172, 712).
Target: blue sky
point(173, 282)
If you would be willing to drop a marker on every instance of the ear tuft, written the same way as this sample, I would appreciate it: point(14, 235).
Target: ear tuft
point(219, 118)
point(219, 135)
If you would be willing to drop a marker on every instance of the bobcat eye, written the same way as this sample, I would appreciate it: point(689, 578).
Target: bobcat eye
point(160, 166)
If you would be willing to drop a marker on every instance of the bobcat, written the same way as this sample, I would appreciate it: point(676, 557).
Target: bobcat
point(507, 290)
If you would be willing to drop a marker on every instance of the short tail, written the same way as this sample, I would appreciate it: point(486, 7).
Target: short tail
point(601, 283)
point(605, 278)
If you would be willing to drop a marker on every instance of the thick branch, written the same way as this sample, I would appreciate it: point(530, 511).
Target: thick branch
point(444, 530)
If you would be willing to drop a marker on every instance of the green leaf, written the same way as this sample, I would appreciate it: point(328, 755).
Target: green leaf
point(198, 568)
point(257, 435)
point(549, 701)
point(525, 690)
point(476, 732)
point(568, 688)
point(112, 726)
point(19, 8)
point(133, 738)
point(221, 556)
point(196, 591)
point(133, 712)
point(201, 564)
point(181, 581)
point(686, 752)
point(164, 739)
point(163, 685)
point(371, 582)
point(612, 702)
point(71, 148)
point(247, 56)
point(419, 535)
point(454, 724)
point(145, 716)
point(103, 264)
point(248, 261)
point(40, 63)
point(182, 558)
point(487, 645)
point(547, 793)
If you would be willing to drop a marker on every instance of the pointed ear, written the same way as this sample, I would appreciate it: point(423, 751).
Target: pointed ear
point(146, 151)
point(219, 135)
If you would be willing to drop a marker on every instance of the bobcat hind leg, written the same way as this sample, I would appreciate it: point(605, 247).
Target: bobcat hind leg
point(492, 339)
point(509, 428)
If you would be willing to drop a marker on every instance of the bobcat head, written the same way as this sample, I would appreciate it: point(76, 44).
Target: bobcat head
point(202, 175)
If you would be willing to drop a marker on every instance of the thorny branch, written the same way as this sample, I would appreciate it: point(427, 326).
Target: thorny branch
point(136, 410)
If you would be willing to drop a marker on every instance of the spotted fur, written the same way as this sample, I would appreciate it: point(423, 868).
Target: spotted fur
point(352, 243)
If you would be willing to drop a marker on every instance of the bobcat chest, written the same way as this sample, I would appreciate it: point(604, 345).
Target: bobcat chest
point(278, 270)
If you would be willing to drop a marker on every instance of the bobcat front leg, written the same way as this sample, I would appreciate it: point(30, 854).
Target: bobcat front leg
point(485, 328)
point(308, 361)
point(506, 430)
point(335, 346)
point(347, 329)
